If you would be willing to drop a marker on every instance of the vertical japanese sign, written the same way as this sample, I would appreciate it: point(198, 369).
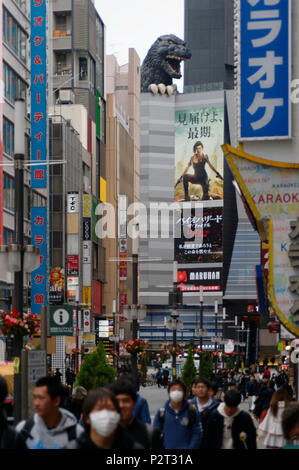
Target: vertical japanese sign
point(265, 64)
point(39, 145)
point(38, 93)
point(39, 276)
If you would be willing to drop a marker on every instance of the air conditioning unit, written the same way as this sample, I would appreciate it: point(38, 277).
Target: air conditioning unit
point(66, 97)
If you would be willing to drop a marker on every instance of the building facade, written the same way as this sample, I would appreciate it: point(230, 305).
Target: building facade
point(209, 32)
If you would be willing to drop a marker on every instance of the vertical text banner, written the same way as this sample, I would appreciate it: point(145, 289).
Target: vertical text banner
point(39, 276)
point(265, 64)
point(38, 92)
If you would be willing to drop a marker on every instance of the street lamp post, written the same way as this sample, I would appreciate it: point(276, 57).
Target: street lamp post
point(19, 240)
point(135, 301)
point(18, 258)
point(175, 300)
point(216, 333)
point(201, 328)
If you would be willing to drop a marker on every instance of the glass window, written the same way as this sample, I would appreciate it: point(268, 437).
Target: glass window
point(8, 137)
point(83, 68)
point(14, 36)
point(14, 86)
point(7, 236)
point(8, 192)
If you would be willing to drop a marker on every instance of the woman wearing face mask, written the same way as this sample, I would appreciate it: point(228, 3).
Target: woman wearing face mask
point(178, 422)
point(101, 416)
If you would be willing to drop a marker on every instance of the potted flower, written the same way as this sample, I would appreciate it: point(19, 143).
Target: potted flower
point(175, 351)
point(12, 324)
point(136, 346)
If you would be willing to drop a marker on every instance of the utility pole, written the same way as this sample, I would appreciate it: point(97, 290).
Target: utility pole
point(135, 301)
point(19, 243)
point(175, 300)
point(201, 328)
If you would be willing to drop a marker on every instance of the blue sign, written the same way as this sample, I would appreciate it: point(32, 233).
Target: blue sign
point(39, 276)
point(265, 69)
point(38, 93)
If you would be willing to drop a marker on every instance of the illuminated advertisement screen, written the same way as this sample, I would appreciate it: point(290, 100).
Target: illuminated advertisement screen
point(201, 236)
point(190, 280)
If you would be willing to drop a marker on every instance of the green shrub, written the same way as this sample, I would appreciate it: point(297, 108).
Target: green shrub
point(95, 370)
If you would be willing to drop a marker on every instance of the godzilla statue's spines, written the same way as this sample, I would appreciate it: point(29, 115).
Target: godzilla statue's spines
point(162, 64)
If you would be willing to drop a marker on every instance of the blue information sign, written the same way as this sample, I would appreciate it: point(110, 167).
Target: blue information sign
point(39, 276)
point(38, 92)
point(265, 61)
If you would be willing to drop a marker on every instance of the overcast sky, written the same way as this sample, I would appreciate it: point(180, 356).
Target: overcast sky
point(138, 23)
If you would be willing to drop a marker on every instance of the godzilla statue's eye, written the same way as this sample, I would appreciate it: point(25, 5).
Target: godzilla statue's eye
point(170, 42)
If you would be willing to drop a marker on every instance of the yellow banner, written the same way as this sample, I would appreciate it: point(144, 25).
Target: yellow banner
point(271, 190)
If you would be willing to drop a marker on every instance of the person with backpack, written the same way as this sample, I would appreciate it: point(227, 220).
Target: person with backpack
point(9, 437)
point(264, 395)
point(229, 427)
point(143, 433)
point(51, 427)
point(178, 422)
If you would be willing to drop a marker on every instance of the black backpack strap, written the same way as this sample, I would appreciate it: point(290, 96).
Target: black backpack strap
point(71, 433)
point(25, 432)
point(192, 414)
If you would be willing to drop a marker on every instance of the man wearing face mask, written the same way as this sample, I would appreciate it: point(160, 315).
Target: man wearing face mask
point(178, 422)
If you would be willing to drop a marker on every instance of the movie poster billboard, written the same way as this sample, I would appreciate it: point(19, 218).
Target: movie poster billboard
point(199, 134)
point(200, 239)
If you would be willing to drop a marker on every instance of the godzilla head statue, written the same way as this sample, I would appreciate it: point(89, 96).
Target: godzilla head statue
point(162, 64)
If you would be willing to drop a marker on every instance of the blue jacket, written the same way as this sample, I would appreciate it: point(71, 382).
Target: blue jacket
point(177, 434)
point(141, 410)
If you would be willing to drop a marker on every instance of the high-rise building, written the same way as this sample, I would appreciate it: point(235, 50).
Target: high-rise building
point(122, 171)
point(209, 32)
point(77, 136)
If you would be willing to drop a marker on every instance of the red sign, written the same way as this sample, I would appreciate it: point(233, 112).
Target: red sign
point(123, 260)
point(73, 265)
point(122, 303)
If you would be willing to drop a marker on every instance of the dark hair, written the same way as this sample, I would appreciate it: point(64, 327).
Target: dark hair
point(203, 380)
point(214, 387)
point(177, 382)
point(232, 398)
point(93, 397)
point(290, 418)
point(123, 385)
point(197, 144)
point(3, 389)
point(232, 384)
point(54, 387)
point(280, 395)
point(129, 378)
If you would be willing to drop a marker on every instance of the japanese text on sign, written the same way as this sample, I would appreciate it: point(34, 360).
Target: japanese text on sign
point(38, 93)
point(265, 69)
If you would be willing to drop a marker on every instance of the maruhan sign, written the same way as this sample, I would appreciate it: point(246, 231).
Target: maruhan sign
point(271, 190)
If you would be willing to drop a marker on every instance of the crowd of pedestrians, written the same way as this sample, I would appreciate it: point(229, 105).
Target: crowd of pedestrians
point(116, 416)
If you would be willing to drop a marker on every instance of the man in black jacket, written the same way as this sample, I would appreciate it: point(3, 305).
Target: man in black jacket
point(126, 396)
point(229, 427)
